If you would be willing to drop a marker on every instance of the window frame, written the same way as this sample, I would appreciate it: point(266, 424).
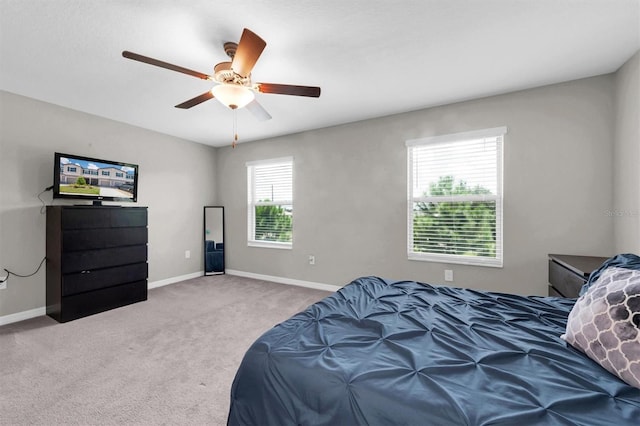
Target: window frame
point(497, 261)
point(251, 204)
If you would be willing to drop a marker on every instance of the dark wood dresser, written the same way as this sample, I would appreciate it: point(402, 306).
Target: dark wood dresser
point(96, 259)
point(568, 273)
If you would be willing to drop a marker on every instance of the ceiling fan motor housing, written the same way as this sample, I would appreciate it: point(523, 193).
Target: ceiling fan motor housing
point(222, 73)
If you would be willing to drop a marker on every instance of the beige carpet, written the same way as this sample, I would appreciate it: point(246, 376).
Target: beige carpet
point(169, 360)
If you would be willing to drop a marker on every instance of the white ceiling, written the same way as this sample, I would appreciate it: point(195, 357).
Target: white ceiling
point(371, 57)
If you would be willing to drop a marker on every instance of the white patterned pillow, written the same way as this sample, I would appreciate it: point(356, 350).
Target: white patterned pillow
point(605, 323)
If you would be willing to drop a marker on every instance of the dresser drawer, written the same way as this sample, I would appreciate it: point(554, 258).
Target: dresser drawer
point(102, 278)
point(86, 260)
point(87, 239)
point(567, 283)
point(84, 217)
point(83, 304)
point(128, 217)
point(553, 292)
point(114, 217)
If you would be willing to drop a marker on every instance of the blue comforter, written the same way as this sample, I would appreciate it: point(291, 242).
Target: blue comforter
point(380, 352)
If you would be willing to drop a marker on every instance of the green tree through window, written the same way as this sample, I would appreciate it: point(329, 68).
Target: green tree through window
point(455, 227)
point(273, 223)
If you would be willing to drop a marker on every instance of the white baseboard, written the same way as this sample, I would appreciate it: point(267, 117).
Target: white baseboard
point(24, 315)
point(37, 312)
point(282, 280)
point(173, 280)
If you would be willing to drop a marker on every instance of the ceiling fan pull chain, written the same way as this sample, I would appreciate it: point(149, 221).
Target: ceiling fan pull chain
point(235, 128)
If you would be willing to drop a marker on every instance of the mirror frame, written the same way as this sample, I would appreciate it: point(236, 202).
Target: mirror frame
point(204, 233)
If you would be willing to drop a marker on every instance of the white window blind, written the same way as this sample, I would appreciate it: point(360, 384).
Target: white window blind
point(270, 203)
point(455, 198)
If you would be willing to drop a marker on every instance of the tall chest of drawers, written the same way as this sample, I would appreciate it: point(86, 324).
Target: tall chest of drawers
point(96, 259)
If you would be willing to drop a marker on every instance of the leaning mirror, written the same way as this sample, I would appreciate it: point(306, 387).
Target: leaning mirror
point(213, 240)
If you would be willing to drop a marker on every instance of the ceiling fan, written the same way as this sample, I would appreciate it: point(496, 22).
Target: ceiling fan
point(235, 88)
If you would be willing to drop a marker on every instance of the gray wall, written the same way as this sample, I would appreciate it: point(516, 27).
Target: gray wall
point(571, 156)
point(350, 181)
point(176, 181)
point(626, 170)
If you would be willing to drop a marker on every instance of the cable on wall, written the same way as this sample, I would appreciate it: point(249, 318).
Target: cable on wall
point(9, 273)
point(43, 209)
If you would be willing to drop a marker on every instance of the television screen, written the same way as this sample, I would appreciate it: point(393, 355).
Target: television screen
point(87, 178)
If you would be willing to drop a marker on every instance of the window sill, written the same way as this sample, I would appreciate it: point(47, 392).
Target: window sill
point(270, 244)
point(487, 262)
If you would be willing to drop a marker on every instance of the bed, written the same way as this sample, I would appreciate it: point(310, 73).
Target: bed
point(381, 352)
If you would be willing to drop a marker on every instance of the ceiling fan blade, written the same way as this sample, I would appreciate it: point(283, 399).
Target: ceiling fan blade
point(258, 111)
point(249, 50)
point(196, 101)
point(288, 89)
point(162, 64)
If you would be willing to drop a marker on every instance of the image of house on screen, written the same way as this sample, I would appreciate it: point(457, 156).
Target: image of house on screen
point(107, 176)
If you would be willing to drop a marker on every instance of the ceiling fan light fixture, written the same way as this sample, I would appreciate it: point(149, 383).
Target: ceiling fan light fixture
point(232, 95)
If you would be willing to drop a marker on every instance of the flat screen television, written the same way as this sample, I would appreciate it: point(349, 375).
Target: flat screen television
point(84, 178)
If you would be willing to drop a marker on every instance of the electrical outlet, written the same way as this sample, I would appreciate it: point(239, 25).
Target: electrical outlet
point(187, 254)
point(448, 275)
point(312, 259)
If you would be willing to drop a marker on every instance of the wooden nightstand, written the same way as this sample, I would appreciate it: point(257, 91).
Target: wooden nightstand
point(567, 273)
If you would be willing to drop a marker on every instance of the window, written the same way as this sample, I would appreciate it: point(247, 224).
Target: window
point(270, 203)
point(71, 169)
point(455, 198)
point(104, 173)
